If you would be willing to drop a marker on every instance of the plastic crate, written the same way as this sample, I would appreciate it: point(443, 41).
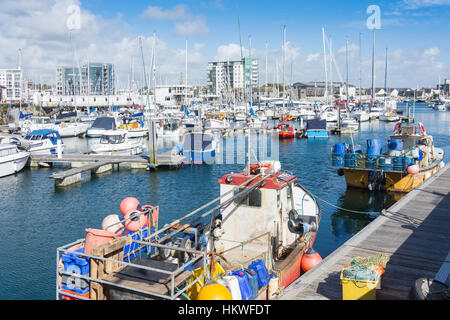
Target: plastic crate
point(86, 294)
point(74, 262)
point(353, 289)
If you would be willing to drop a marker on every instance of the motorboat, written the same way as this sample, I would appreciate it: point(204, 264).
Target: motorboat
point(12, 160)
point(43, 142)
point(169, 128)
point(360, 115)
point(116, 142)
point(135, 127)
point(100, 126)
point(389, 116)
point(285, 131)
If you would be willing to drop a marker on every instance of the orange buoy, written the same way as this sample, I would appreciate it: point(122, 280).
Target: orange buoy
point(135, 221)
point(214, 291)
point(310, 259)
point(413, 169)
point(154, 213)
point(129, 204)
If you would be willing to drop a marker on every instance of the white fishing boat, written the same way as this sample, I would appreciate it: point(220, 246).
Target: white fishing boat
point(12, 160)
point(116, 142)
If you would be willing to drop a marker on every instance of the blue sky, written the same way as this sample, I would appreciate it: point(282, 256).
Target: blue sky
point(416, 33)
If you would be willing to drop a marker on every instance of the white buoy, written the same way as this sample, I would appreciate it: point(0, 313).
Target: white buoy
point(113, 223)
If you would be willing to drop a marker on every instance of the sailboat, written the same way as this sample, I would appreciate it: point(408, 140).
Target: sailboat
point(389, 114)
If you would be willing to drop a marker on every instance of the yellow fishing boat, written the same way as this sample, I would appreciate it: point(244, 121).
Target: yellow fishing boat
point(411, 158)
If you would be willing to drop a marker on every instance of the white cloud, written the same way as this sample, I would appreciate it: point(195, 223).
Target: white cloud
point(432, 51)
point(313, 57)
point(230, 51)
point(416, 4)
point(189, 28)
point(179, 11)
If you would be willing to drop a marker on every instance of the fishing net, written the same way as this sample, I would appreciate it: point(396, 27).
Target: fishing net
point(380, 259)
point(360, 273)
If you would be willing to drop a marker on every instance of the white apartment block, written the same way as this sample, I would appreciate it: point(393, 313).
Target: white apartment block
point(14, 81)
point(232, 75)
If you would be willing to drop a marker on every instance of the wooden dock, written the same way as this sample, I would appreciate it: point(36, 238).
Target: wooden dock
point(98, 164)
point(415, 231)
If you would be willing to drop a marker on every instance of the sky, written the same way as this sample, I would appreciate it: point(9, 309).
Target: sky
point(51, 33)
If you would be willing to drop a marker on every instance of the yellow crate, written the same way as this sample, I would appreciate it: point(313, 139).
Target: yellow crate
point(358, 289)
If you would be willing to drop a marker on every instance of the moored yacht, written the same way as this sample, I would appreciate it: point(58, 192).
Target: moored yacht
point(12, 160)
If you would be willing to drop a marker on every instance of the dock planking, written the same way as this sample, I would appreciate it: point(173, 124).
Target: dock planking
point(417, 250)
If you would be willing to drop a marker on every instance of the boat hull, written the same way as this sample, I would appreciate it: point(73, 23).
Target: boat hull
point(13, 165)
point(394, 181)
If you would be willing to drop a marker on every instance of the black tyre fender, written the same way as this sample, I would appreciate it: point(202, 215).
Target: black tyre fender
point(182, 256)
point(164, 253)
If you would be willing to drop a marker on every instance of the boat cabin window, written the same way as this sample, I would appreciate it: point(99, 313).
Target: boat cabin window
point(115, 139)
point(7, 152)
point(253, 199)
point(33, 137)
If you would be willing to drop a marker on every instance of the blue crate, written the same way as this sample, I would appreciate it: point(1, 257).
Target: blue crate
point(76, 263)
point(76, 290)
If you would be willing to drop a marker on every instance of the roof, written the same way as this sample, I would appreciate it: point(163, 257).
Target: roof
point(277, 182)
point(43, 132)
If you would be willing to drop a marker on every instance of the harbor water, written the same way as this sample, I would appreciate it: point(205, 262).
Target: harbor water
point(36, 218)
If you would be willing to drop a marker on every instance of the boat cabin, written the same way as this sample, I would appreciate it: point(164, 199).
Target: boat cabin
point(276, 207)
point(113, 137)
point(44, 134)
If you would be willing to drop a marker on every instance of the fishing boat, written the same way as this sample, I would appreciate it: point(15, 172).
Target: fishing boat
point(265, 222)
point(12, 160)
point(116, 142)
point(285, 131)
point(43, 141)
point(100, 126)
point(199, 148)
point(410, 159)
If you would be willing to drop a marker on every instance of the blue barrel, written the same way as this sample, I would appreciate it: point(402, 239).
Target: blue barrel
point(337, 160)
point(409, 161)
point(399, 163)
point(420, 156)
point(371, 162)
point(357, 148)
point(395, 144)
point(340, 148)
point(386, 163)
point(374, 147)
point(350, 160)
point(246, 291)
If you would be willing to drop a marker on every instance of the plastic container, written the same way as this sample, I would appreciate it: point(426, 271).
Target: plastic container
point(246, 291)
point(273, 285)
point(371, 162)
point(386, 163)
point(96, 238)
point(357, 148)
point(358, 289)
point(76, 264)
point(374, 147)
point(409, 161)
point(232, 284)
point(337, 160)
point(340, 148)
point(395, 144)
point(260, 268)
point(253, 282)
point(350, 160)
point(399, 163)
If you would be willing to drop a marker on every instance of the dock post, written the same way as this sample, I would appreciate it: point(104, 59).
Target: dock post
point(152, 142)
point(59, 149)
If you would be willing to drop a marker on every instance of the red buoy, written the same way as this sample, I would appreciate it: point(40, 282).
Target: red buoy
point(309, 259)
point(129, 204)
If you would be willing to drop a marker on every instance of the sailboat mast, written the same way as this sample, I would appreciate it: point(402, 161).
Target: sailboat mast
point(385, 78)
point(284, 65)
point(346, 65)
point(186, 76)
point(360, 69)
point(373, 69)
point(325, 64)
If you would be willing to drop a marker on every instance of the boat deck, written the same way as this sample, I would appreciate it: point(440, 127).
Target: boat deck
point(414, 231)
